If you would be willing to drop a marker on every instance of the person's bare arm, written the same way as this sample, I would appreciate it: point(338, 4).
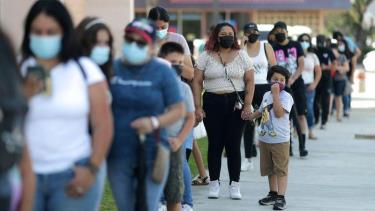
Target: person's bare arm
point(101, 122)
point(174, 112)
point(28, 182)
point(197, 94)
point(298, 73)
point(250, 86)
point(186, 129)
point(270, 55)
point(277, 107)
point(102, 130)
point(354, 63)
point(318, 76)
point(188, 69)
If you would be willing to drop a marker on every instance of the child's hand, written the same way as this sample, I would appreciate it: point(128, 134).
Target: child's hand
point(275, 89)
point(175, 143)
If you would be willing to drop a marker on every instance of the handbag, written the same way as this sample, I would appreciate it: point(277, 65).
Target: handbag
point(161, 163)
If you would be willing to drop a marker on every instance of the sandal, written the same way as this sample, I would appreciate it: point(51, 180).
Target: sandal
point(198, 180)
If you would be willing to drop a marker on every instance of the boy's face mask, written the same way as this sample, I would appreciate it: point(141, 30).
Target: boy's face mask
point(281, 85)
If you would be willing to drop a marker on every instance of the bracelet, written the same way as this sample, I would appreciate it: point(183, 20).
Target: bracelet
point(92, 168)
point(155, 122)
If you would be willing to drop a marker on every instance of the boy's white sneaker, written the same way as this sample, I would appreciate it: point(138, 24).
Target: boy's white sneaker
point(247, 164)
point(234, 191)
point(186, 207)
point(214, 189)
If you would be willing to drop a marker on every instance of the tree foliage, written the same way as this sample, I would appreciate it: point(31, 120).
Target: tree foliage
point(352, 22)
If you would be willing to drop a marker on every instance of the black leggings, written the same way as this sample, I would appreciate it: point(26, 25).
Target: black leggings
point(224, 128)
point(249, 132)
point(322, 98)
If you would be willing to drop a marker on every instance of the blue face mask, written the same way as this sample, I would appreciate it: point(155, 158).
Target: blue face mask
point(162, 33)
point(134, 54)
point(305, 45)
point(100, 54)
point(45, 47)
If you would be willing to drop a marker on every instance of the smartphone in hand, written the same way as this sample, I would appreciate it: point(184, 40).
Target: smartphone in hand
point(42, 76)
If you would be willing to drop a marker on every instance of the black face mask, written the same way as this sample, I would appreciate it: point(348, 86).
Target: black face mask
point(320, 44)
point(280, 37)
point(253, 38)
point(226, 41)
point(177, 68)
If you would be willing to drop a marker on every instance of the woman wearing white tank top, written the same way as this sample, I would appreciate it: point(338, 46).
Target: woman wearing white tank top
point(262, 55)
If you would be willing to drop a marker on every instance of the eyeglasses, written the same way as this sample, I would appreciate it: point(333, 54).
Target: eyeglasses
point(140, 43)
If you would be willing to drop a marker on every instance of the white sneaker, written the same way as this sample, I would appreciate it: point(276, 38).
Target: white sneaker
point(234, 191)
point(186, 207)
point(162, 207)
point(247, 164)
point(214, 189)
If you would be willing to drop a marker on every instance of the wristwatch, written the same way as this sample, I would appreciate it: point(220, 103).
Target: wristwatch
point(92, 168)
point(155, 122)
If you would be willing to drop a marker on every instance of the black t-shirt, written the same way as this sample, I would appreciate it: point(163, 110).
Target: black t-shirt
point(325, 56)
point(287, 55)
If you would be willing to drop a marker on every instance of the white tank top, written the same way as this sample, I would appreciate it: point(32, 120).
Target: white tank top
point(260, 63)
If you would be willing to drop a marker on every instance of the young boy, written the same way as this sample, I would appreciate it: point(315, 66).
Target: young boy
point(274, 135)
point(178, 132)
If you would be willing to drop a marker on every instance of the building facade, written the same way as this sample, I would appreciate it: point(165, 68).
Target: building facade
point(196, 16)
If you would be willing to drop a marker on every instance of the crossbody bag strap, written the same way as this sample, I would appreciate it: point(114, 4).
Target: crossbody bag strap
point(230, 80)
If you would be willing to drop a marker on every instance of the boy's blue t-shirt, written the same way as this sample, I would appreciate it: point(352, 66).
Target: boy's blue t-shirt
point(140, 91)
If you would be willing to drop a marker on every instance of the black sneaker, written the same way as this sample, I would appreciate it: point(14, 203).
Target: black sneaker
point(280, 204)
point(268, 200)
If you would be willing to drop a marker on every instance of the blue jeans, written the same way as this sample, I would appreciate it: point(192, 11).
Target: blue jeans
point(123, 183)
point(346, 101)
point(50, 192)
point(188, 196)
point(310, 96)
point(101, 176)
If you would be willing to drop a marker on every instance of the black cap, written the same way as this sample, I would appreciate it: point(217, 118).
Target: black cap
point(320, 38)
point(280, 25)
point(336, 34)
point(250, 26)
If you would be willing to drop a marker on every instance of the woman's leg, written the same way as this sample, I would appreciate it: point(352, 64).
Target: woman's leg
point(338, 102)
point(214, 107)
point(198, 159)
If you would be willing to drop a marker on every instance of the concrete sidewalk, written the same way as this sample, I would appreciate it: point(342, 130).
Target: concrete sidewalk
point(339, 173)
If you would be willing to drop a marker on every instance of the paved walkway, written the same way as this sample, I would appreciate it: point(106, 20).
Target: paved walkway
point(338, 175)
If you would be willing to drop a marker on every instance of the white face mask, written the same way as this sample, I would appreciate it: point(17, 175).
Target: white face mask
point(161, 34)
point(341, 48)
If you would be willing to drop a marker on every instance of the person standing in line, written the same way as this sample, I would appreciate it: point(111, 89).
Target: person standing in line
point(274, 137)
point(324, 89)
point(179, 131)
point(339, 79)
point(262, 56)
point(227, 75)
point(353, 53)
point(146, 100)
point(97, 43)
point(289, 54)
point(311, 76)
point(17, 180)
point(72, 93)
point(161, 18)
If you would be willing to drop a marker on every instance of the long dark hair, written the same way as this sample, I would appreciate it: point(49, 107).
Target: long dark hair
point(213, 42)
point(13, 104)
point(88, 39)
point(70, 47)
point(311, 48)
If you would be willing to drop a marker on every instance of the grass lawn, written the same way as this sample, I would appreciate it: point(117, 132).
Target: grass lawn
point(108, 203)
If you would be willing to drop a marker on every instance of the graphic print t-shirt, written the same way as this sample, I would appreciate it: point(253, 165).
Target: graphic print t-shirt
point(275, 130)
point(287, 55)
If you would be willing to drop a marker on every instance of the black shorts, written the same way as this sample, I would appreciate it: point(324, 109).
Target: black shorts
point(299, 96)
point(339, 87)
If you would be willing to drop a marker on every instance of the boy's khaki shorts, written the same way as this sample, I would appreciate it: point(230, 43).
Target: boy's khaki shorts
point(274, 159)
